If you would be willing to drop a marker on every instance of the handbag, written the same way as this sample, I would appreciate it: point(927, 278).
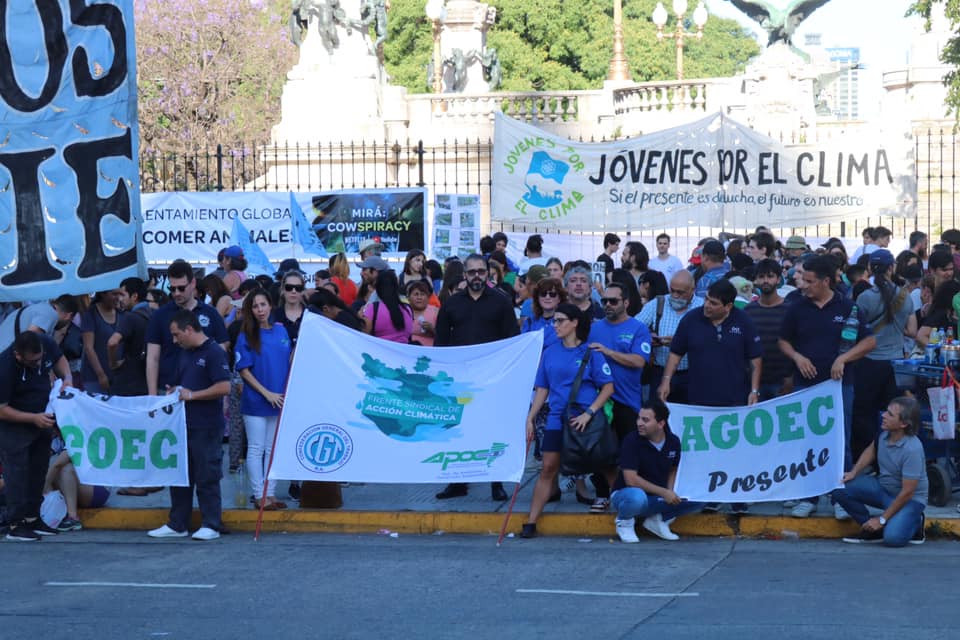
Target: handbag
point(943, 408)
point(596, 446)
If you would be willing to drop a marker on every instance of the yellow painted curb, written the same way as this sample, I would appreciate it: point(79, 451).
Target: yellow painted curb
point(552, 524)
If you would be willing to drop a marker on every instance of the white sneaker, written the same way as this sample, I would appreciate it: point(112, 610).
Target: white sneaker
point(840, 513)
point(166, 532)
point(803, 509)
point(205, 533)
point(627, 531)
point(655, 525)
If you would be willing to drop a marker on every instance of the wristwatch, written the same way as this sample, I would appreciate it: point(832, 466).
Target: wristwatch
point(590, 412)
point(754, 391)
point(882, 521)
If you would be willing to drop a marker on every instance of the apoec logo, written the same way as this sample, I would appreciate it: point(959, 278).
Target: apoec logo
point(323, 448)
point(479, 457)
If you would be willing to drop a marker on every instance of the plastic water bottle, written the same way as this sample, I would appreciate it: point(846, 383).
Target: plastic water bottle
point(241, 486)
point(850, 330)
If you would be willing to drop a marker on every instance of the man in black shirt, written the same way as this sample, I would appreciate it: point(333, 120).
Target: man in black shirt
point(649, 457)
point(26, 428)
point(475, 315)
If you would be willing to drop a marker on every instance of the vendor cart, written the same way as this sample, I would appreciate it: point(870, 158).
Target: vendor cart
point(914, 377)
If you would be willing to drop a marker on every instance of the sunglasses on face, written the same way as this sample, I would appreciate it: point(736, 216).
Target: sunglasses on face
point(606, 301)
point(180, 289)
point(476, 272)
point(293, 287)
point(550, 294)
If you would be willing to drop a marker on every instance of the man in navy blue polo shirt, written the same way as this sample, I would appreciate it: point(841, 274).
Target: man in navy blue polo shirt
point(724, 351)
point(811, 337)
point(625, 344)
point(649, 457)
point(204, 378)
point(725, 354)
point(26, 428)
point(162, 351)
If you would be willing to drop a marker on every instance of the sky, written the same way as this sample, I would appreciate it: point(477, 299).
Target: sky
point(883, 38)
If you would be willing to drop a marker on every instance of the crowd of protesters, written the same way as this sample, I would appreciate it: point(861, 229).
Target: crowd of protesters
point(746, 319)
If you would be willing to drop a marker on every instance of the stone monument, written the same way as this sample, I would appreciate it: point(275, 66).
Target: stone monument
point(339, 83)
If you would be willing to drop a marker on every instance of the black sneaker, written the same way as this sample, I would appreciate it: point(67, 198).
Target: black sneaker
point(22, 533)
point(921, 535)
point(529, 530)
point(69, 524)
point(866, 537)
point(739, 508)
point(41, 528)
point(294, 491)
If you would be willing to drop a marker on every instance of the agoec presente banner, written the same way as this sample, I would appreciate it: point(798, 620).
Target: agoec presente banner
point(69, 182)
point(786, 448)
point(404, 413)
point(195, 225)
point(714, 172)
point(136, 441)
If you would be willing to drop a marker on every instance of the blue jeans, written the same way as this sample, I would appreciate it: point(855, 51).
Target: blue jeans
point(864, 491)
point(631, 502)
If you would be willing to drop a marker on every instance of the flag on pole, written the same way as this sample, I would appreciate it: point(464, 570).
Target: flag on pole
point(257, 261)
point(301, 231)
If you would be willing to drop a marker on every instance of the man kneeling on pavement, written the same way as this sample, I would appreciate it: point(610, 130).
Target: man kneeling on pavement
point(900, 486)
point(649, 457)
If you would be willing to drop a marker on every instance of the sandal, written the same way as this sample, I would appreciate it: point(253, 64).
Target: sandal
point(278, 504)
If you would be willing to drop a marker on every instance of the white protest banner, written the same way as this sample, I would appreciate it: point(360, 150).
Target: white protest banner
point(380, 411)
point(70, 194)
point(124, 442)
point(783, 449)
point(714, 172)
point(195, 225)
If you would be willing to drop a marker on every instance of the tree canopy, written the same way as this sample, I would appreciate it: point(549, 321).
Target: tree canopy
point(951, 50)
point(210, 71)
point(562, 45)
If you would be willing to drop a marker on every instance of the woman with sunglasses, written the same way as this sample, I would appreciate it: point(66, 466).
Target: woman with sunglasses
point(555, 378)
point(263, 360)
point(548, 294)
point(292, 305)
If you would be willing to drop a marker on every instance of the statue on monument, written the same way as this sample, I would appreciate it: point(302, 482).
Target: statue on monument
point(327, 13)
point(459, 63)
point(780, 24)
point(492, 72)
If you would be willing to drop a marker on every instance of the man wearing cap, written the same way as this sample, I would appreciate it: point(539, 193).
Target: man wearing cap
point(796, 246)
point(370, 247)
point(370, 268)
point(475, 315)
point(887, 309)
point(711, 261)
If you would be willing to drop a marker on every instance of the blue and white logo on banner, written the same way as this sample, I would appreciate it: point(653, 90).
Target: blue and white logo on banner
point(69, 184)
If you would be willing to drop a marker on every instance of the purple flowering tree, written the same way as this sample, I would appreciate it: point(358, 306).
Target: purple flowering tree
point(210, 71)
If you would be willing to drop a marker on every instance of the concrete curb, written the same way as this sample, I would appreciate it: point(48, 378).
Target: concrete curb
point(554, 524)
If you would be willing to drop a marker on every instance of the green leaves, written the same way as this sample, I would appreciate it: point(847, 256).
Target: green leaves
point(563, 45)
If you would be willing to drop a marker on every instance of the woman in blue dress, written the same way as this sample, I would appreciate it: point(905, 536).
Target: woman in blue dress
point(555, 377)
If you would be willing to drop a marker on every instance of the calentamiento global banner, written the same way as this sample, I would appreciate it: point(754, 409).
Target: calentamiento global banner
point(69, 176)
point(137, 441)
point(787, 448)
point(195, 225)
point(714, 172)
point(363, 409)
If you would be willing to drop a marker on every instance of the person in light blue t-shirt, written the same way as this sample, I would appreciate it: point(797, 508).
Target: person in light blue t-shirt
point(263, 360)
point(555, 380)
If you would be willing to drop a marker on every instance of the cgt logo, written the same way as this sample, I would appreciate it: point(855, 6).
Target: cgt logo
point(323, 448)
point(446, 458)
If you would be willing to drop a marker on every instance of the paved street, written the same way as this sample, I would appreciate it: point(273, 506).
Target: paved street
point(339, 586)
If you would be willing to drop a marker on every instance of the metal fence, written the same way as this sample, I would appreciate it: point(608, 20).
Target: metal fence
point(465, 166)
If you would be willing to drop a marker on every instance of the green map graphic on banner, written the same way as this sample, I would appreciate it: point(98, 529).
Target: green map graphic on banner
point(405, 401)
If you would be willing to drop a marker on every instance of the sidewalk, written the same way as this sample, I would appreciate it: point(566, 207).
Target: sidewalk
point(413, 509)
